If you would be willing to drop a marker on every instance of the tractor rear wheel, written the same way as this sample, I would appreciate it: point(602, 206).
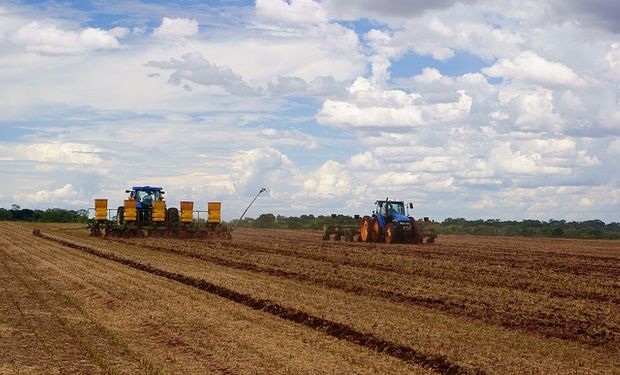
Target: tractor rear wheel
point(365, 229)
point(416, 234)
point(375, 230)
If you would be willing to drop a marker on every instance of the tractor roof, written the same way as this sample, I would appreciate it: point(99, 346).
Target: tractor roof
point(389, 201)
point(147, 188)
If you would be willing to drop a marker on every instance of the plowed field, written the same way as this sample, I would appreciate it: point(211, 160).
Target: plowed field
point(286, 302)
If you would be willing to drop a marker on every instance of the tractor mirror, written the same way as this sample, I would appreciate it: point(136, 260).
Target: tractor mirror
point(127, 191)
point(162, 192)
point(411, 206)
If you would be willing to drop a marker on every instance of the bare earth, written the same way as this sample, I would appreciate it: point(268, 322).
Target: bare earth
point(286, 302)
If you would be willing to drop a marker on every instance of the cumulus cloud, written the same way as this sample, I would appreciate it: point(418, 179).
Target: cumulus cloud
point(320, 86)
point(372, 106)
point(504, 160)
point(66, 195)
point(51, 40)
point(530, 67)
point(289, 137)
point(293, 12)
point(442, 37)
point(532, 110)
point(262, 167)
point(613, 59)
point(176, 28)
point(329, 181)
point(72, 153)
point(193, 67)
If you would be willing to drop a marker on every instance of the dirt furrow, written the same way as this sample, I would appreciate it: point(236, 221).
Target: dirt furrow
point(341, 331)
point(528, 282)
point(588, 330)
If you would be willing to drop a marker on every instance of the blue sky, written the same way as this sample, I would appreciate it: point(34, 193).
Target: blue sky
point(468, 109)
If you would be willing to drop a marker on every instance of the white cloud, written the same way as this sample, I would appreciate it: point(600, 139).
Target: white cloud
point(51, 40)
point(291, 12)
point(534, 111)
point(537, 143)
point(72, 153)
point(66, 195)
point(320, 87)
point(372, 106)
point(289, 137)
point(530, 67)
point(192, 67)
point(176, 28)
point(613, 59)
point(262, 167)
point(330, 181)
point(505, 160)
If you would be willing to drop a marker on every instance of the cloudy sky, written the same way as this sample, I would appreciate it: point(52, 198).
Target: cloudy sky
point(477, 109)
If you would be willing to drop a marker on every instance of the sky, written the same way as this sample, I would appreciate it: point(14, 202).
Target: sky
point(481, 109)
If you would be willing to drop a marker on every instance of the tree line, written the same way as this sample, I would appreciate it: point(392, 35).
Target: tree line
point(51, 215)
point(589, 229)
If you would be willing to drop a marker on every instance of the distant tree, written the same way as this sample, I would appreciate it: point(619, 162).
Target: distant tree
point(557, 232)
point(5, 214)
point(265, 221)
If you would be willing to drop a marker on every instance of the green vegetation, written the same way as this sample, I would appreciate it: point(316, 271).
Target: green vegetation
point(51, 215)
point(590, 229)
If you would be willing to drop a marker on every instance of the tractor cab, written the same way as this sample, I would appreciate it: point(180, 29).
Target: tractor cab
point(145, 195)
point(392, 211)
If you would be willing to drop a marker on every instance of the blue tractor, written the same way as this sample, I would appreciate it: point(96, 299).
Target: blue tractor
point(390, 223)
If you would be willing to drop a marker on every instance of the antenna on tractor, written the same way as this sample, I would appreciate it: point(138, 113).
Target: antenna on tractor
point(262, 190)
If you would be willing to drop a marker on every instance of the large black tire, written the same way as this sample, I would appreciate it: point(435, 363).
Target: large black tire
point(375, 230)
point(365, 229)
point(393, 233)
point(172, 216)
point(120, 215)
point(416, 234)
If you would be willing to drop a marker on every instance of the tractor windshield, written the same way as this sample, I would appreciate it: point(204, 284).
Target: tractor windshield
point(396, 208)
point(146, 197)
point(391, 208)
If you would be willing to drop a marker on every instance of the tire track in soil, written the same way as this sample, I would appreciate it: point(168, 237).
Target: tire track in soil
point(543, 323)
point(145, 363)
point(522, 286)
point(436, 362)
point(509, 258)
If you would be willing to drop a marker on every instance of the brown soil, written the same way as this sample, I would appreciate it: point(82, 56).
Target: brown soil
point(288, 302)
